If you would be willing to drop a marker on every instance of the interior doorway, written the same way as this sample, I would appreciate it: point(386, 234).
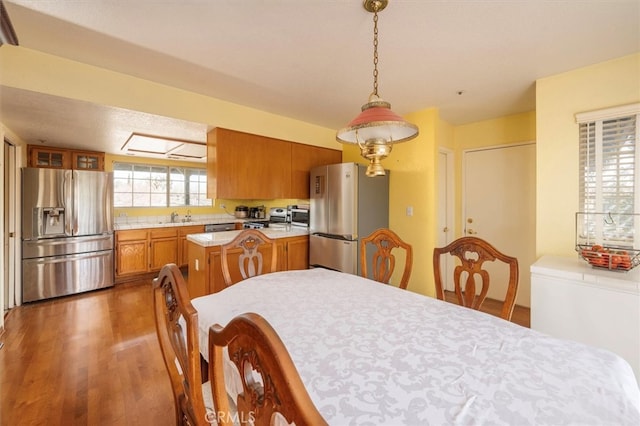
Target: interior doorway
point(9, 234)
point(446, 185)
point(499, 206)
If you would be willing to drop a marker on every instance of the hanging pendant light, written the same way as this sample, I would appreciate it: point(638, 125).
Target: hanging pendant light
point(376, 128)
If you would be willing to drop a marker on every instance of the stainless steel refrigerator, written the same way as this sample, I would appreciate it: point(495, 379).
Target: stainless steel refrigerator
point(67, 232)
point(345, 206)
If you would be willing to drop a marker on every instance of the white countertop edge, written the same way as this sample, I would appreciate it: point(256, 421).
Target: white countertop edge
point(576, 269)
point(144, 225)
point(211, 239)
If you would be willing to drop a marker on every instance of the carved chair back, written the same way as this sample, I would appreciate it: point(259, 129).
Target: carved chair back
point(256, 254)
point(177, 329)
point(273, 392)
point(472, 253)
point(384, 261)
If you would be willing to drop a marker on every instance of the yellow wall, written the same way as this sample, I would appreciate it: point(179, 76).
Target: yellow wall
point(412, 164)
point(413, 178)
point(558, 99)
point(411, 183)
point(31, 70)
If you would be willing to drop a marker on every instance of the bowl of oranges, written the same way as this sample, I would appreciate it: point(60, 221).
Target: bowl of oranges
point(609, 258)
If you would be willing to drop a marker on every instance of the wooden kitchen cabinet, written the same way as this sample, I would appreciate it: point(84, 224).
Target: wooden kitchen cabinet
point(304, 158)
point(163, 247)
point(132, 252)
point(183, 243)
point(205, 268)
point(141, 252)
point(245, 166)
point(47, 157)
point(60, 158)
point(87, 160)
point(293, 253)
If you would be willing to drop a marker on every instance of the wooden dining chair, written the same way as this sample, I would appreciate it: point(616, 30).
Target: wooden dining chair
point(254, 254)
point(384, 261)
point(473, 252)
point(177, 329)
point(272, 391)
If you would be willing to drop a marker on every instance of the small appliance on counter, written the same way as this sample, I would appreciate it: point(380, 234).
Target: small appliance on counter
point(298, 215)
point(258, 212)
point(278, 215)
point(241, 212)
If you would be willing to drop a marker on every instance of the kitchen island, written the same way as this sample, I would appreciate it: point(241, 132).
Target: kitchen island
point(205, 270)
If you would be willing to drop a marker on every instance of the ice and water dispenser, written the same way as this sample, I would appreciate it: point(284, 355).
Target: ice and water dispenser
point(49, 222)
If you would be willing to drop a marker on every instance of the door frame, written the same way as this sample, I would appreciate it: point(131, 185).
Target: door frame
point(11, 282)
point(449, 205)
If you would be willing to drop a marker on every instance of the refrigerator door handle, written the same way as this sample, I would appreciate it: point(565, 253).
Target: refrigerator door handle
point(67, 202)
point(335, 237)
point(74, 202)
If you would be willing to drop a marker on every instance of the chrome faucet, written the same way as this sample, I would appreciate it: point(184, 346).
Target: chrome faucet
point(174, 216)
point(188, 216)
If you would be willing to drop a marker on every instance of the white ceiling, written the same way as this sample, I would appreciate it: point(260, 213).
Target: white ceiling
point(308, 59)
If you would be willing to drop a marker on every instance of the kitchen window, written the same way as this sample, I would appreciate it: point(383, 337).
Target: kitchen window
point(148, 185)
point(609, 173)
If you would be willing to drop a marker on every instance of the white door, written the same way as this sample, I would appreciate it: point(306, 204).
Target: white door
point(500, 206)
point(445, 211)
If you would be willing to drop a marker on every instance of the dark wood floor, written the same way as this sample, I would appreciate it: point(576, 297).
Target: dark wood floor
point(92, 359)
point(521, 315)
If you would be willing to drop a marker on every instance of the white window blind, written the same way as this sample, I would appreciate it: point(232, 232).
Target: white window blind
point(610, 173)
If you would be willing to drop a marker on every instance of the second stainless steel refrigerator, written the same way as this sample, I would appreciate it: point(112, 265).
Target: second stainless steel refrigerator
point(345, 206)
point(67, 232)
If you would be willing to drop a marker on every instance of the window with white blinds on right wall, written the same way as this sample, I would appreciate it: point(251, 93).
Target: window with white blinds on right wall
point(610, 173)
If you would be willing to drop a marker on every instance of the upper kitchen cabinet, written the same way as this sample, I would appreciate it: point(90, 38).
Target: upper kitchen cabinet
point(246, 166)
point(87, 160)
point(303, 159)
point(60, 158)
point(52, 158)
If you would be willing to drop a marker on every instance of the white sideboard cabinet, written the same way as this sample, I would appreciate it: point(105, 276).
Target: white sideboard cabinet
point(572, 300)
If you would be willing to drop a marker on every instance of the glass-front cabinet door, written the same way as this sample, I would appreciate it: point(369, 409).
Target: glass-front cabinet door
point(50, 158)
point(87, 160)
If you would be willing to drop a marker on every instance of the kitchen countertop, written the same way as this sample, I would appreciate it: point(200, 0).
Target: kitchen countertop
point(169, 224)
point(210, 239)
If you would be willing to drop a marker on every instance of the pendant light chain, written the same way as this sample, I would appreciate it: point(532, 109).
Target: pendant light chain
point(375, 51)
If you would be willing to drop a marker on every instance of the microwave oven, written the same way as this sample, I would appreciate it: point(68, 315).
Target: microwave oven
point(299, 217)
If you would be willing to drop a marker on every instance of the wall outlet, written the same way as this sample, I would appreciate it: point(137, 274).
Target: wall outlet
point(410, 211)
point(123, 214)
